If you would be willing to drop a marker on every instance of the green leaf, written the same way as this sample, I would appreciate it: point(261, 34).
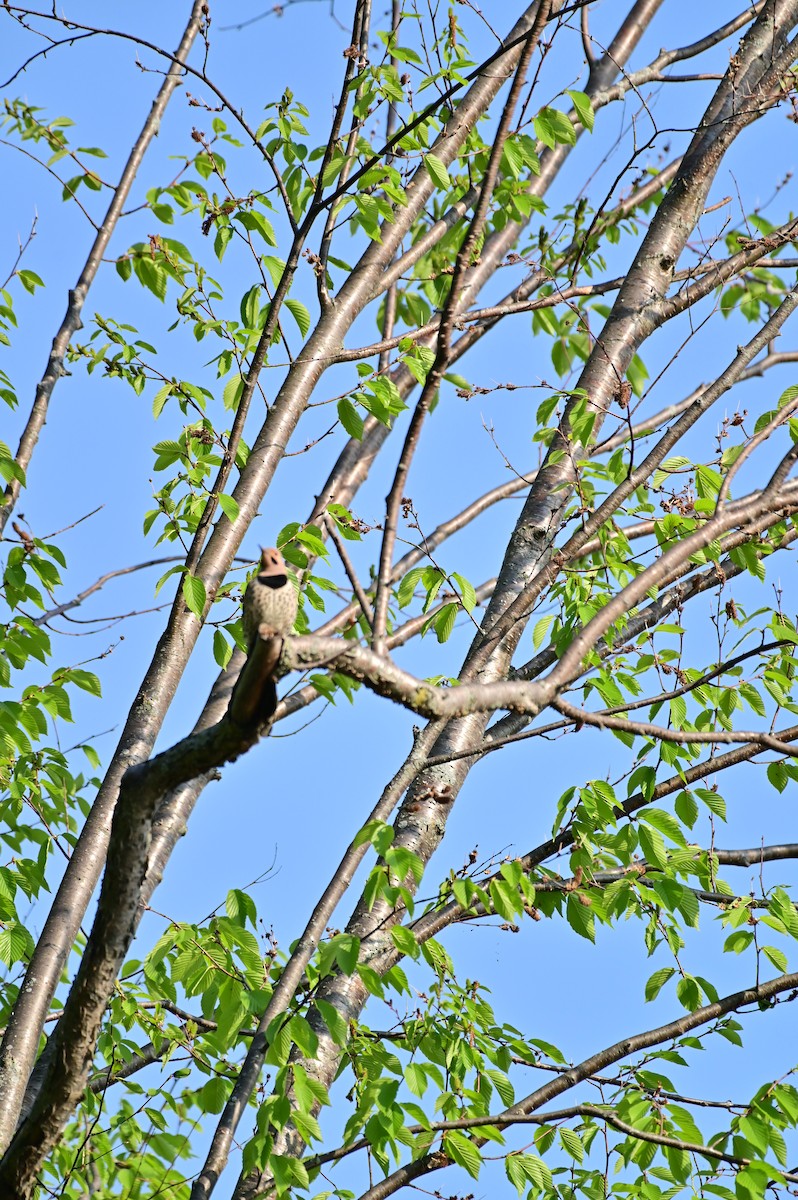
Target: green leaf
point(350, 419)
point(167, 575)
point(337, 1026)
point(584, 109)
point(229, 507)
point(249, 309)
point(516, 1173)
point(194, 595)
point(777, 957)
point(653, 846)
point(222, 650)
point(657, 981)
point(752, 697)
point(408, 586)
point(467, 593)
point(160, 398)
point(288, 1172)
point(580, 918)
point(347, 949)
point(572, 1143)
point(437, 171)
point(302, 1034)
point(463, 1151)
point(686, 809)
point(240, 907)
point(151, 275)
point(257, 223)
point(713, 801)
point(85, 680)
point(416, 1079)
point(444, 621)
point(523, 1169)
point(30, 280)
point(777, 775)
point(300, 314)
point(16, 944)
point(688, 993)
point(665, 823)
point(503, 1086)
point(738, 941)
point(92, 756)
point(552, 126)
point(541, 629)
point(637, 374)
point(9, 469)
point(405, 941)
point(233, 391)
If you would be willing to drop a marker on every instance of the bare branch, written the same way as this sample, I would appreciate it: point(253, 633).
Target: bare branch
point(77, 297)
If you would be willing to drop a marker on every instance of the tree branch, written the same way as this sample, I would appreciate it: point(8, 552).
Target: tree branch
point(143, 786)
point(72, 321)
point(597, 1062)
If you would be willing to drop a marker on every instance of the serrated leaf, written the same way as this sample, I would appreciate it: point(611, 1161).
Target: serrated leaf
point(405, 941)
point(503, 1086)
point(222, 650)
point(572, 1143)
point(777, 775)
point(232, 393)
point(29, 280)
point(408, 586)
point(752, 697)
point(541, 629)
point(656, 982)
point(416, 1079)
point(249, 308)
point(584, 109)
point(350, 419)
point(92, 756)
point(347, 948)
point(688, 993)
point(463, 1151)
point(229, 507)
point(552, 126)
point(653, 846)
point(713, 801)
point(516, 1173)
point(444, 622)
point(777, 957)
point(437, 171)
point(15, 944)
point(86, 680)
point(160, 398)
point(256, 222)
point(665, 823)
point(300, 314)
point(581, 918)
point(194, 595)
point(167, 574)
point(467, 593)
point(337, 1026)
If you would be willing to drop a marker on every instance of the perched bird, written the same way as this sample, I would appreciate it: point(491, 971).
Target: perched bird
point(270, 599)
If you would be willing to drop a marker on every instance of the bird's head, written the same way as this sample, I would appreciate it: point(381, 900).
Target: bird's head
point(272, 569)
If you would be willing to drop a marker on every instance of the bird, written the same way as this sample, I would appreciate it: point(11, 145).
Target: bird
point(270, 599)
